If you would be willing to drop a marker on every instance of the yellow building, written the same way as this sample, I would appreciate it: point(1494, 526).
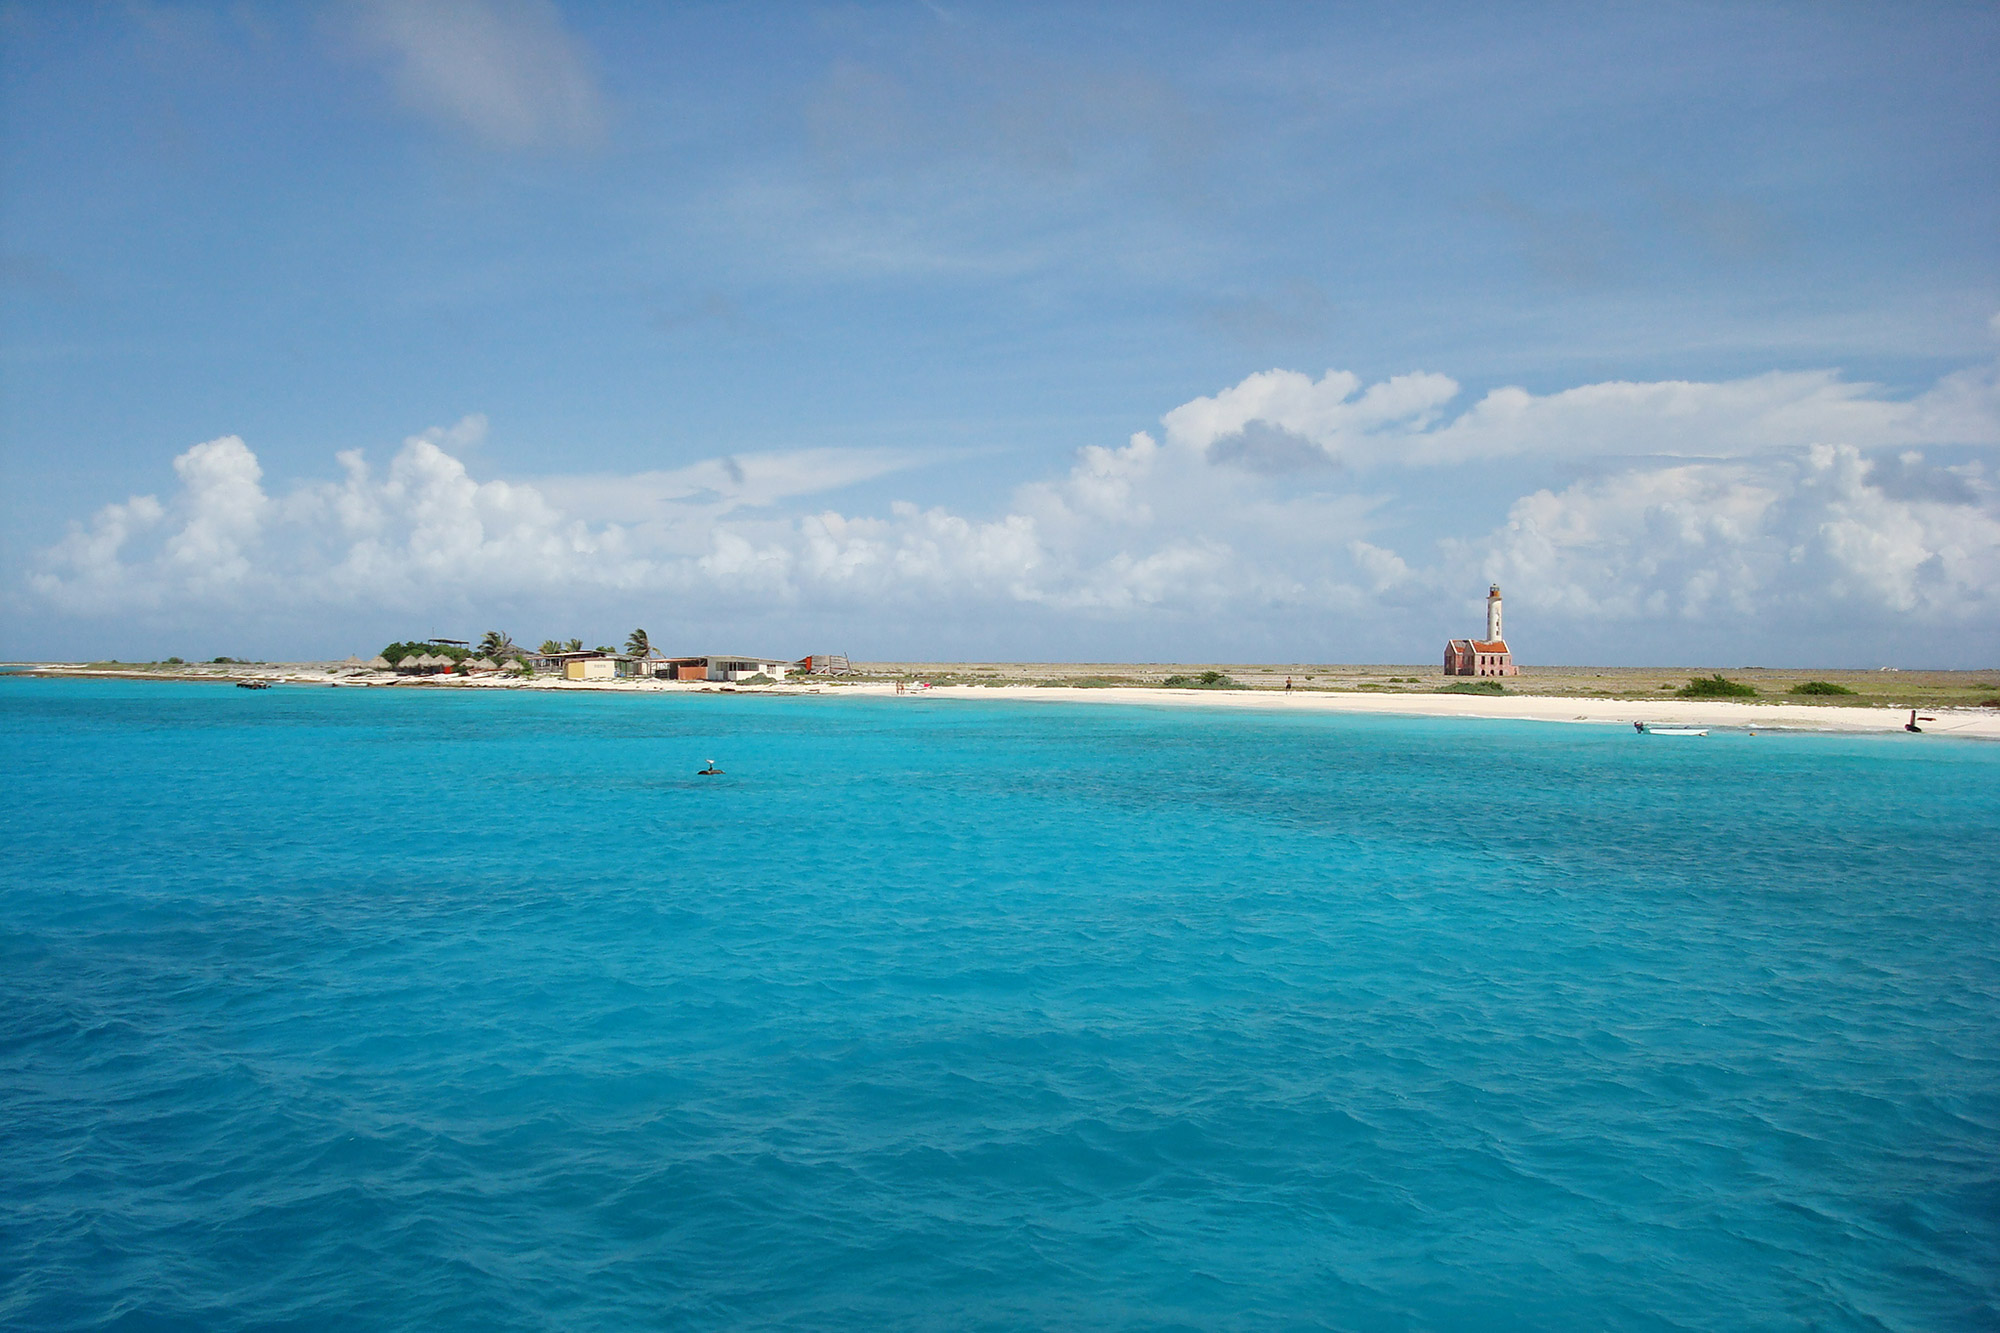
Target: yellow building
point(590, 668)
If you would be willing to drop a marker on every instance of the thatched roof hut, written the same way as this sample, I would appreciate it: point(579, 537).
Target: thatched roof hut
point(380, 663)
point(483, 664)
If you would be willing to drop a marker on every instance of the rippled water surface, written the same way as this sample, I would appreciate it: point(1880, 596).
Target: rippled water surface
point(400, 1010)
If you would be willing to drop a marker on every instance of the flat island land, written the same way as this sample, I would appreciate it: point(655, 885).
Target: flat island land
point(1958, 703)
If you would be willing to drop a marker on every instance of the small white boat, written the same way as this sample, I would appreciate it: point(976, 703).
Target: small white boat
point(1645, 730)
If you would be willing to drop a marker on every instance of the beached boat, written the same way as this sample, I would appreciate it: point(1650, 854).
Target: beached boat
point(1644, 730)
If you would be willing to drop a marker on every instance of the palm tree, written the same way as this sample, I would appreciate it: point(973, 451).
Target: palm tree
point(573, 646)
point(497, 645)
point(549, 648)
point(638, 647)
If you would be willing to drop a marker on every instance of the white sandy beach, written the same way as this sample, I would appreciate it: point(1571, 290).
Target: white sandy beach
point(1971, 722)
point(1968, 723)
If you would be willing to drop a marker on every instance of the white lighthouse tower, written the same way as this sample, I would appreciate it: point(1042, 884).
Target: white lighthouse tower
point(1482, 657)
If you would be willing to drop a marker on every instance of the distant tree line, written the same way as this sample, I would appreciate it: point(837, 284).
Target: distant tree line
point(499, 646)
point(396, 652)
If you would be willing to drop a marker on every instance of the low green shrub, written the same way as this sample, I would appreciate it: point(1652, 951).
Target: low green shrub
point(1820, 687)
point(1716, 687)
point(1474, 687)
point(1207, 680)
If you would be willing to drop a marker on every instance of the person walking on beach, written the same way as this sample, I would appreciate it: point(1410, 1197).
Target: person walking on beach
point(1288, 685)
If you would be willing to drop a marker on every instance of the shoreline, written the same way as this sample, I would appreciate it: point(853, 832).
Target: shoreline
point(1774, 715)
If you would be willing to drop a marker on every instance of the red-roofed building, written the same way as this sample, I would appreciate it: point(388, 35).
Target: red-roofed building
point(1482, 657)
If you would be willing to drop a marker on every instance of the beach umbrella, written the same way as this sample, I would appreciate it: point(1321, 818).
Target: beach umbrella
point(514, 664)
point(381, 663)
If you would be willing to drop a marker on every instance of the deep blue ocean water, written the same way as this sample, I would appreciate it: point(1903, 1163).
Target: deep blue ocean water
point(393, 1009)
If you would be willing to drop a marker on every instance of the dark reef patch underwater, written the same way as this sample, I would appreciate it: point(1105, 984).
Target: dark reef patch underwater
point(390, 1010)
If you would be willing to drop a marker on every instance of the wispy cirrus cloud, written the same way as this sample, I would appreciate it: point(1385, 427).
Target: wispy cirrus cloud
point(1408, 420)
point(721, 486)
point(507, 72)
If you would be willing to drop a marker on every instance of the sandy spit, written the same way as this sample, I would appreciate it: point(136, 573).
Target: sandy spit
point(1967, 723)
point(1982, 724)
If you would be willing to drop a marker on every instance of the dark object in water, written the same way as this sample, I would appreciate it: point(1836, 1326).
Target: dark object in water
point(253, 684)
point(710, 772)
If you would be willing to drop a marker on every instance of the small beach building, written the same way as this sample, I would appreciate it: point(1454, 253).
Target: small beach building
point(722, 667)
point(822, 664)
point(682, 668)
point(1482, 657)
point(557, 664)
point(590, 668)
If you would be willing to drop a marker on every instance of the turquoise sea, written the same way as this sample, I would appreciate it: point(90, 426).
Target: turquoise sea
point(389, 1009)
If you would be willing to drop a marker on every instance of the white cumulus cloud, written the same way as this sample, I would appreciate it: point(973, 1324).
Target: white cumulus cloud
point(1801, 500)
point(1798, 535)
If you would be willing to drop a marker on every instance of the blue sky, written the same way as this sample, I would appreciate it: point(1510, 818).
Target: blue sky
point(947, 330)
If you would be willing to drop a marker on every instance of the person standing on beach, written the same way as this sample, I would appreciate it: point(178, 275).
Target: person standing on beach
point(1288, 685)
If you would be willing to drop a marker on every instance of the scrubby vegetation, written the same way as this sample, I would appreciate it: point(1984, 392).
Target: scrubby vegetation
point(1474, 687)
point(1717, 686)
point(1207, 680)
point(1820, 687)
point(396, 652)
